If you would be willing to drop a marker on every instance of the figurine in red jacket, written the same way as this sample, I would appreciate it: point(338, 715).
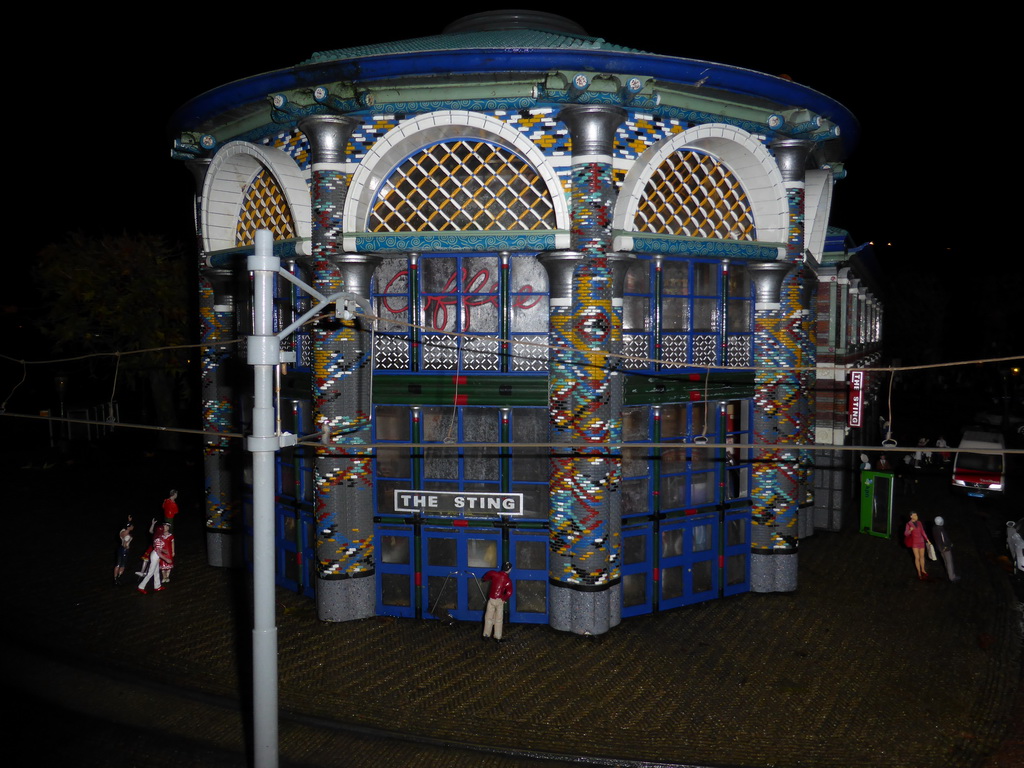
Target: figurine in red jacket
point(497, 596)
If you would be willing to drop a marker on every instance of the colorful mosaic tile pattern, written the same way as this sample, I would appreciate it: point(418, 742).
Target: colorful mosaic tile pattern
point(782, 414)
point(583, 405)
point(642, 131)
point(294, 143)
point(218, 410)
point(341, 366)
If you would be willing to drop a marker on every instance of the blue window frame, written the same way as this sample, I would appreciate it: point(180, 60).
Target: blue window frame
point(681, 313)
point(413, 453)
point(422, 300)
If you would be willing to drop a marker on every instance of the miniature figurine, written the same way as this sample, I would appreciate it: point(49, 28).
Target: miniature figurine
point(167, 565)
point(170, 506)
point(498, 594)
point(915, 538)
point(156, 555)
point(945, 546)
point(125, 537)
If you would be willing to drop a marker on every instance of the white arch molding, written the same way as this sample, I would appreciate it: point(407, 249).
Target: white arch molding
point(231, 172)
point(404, 140)
point(744, 155)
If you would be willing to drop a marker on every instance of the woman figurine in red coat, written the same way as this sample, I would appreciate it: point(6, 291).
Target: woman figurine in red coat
point(915, 537)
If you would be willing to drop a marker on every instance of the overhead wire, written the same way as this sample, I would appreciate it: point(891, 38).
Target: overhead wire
point(459, 336)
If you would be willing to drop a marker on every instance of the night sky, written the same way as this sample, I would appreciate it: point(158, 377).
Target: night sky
point(933, 173)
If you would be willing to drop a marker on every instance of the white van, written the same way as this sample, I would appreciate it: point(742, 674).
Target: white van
point(980, 474)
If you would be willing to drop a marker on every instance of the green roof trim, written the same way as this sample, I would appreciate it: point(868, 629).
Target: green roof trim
point(504, 40)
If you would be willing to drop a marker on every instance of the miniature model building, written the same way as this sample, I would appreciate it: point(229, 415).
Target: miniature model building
point(591, 284)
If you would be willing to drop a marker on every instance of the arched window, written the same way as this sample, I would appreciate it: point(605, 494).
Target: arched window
point(264, 207)
point(695, 195)
point(465, 184)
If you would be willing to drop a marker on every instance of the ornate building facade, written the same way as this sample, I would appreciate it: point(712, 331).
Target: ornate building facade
point(591, 313)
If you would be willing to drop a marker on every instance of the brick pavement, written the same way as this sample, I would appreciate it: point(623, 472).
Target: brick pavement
point(862, 666)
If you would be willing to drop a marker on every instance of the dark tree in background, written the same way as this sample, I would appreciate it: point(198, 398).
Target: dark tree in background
point(121, 293)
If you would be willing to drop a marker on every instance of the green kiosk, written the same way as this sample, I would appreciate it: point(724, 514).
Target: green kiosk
point(876, 490)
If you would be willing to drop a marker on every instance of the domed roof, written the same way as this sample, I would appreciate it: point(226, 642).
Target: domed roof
point(502, 30)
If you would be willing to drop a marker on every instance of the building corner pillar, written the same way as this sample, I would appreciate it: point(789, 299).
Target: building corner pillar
point(345, 586)
point(585, 392)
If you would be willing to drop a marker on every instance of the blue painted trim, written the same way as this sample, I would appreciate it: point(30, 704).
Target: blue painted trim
point(201, 111)
point(692, 246)
point(454, 242)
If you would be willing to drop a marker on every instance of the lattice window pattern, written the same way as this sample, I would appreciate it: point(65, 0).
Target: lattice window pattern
point(264, 207)
point(463, 185)
point(695, 195)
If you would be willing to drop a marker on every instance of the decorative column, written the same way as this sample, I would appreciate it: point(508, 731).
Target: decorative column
point(585, 394)
point(773, 534)
point(782, 416)
point(342, 355)
point(216, 327)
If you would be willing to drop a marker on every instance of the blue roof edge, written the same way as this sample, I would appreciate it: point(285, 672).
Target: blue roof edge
point(721, 77)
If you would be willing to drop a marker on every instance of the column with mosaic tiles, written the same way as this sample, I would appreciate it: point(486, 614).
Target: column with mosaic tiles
point(781, 417)
point(216, 328)
point(585, 395)
point(345, 587)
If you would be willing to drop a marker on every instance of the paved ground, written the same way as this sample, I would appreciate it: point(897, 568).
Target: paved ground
point(862, 666)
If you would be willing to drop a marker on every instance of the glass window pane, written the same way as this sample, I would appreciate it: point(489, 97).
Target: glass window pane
point(528, 275)
point(394, 549)
point(705, 278)
point(530, 314)
point(672, 542)
point(529, 425)
point(476, 594)
point(739, 316)
point(673, 421)
point(673, 492)
point(482, 553)
point(675, 314)
point(634, 549)
point(705, 315)
point(638, 278)
point(675, 276)
point(735, 569)
point(739, 281)
point(531, 596)
point(634, 497)
point(395, 589)
point(386, 494)
point(673, 460)
point(442, 552)
point(634, 589)
point(393, 462)
point(671, 582)
point(634, 424)
point(481, 425)
point(702, 488)
point(703, 577)
point(442, 594)
point(735, 532)
point(392, 423)
point(702, 538)
point(636, 313)
point(532, 555)
point(391, 284)
point(535, 500)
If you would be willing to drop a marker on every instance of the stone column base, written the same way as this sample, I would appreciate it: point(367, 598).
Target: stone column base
point(773, 573)
point(584, 612)
point(346, 599)
point(222, 549)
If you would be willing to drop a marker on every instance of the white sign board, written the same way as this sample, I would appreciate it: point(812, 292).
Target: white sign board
point(456, 503)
